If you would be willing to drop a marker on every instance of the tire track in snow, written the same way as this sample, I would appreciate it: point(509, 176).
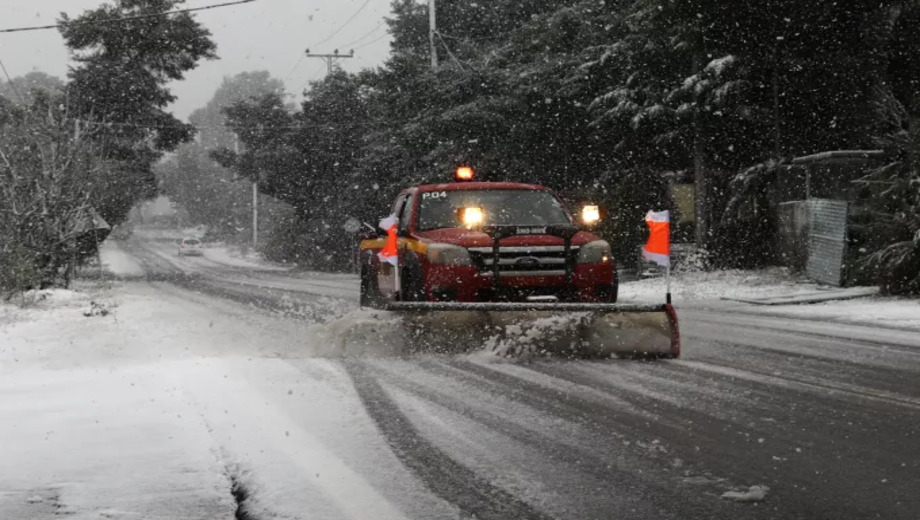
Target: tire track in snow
point(444, 476)
point(860, 336)
point(295, 302)
point(810, 442)
point(537, 444)
point(793, 382)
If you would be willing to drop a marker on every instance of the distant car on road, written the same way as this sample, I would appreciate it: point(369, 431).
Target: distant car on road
point(190, 247)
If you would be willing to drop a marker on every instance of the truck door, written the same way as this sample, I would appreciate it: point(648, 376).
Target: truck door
point(386, 275)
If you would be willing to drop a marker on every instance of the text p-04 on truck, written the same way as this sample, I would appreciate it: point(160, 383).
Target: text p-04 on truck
point(504, 251)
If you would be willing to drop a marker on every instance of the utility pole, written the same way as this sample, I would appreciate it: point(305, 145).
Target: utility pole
point(255, 198)
point(699, 176)
point(777, 147)
point(331, 58)
point(433, 33)
point(255, 214)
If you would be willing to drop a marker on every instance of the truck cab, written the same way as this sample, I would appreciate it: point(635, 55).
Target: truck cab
point(487, 242)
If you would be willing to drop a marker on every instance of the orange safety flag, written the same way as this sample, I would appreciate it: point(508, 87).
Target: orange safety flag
point(658, 247)
point(390, 253)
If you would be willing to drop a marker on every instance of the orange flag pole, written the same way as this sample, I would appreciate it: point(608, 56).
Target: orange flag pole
point(658, 247)
point(390, 251)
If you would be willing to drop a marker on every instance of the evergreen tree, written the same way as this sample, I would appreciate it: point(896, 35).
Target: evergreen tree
point(126, 54)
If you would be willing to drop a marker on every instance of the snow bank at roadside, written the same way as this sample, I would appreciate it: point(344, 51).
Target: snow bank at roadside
point(714, 285)
point(144, 324)
point(709, 288)
point(876, 311)
point(51, 298)
point(42, 304)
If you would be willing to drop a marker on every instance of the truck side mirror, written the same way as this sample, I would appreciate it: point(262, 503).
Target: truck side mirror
point(368, 232)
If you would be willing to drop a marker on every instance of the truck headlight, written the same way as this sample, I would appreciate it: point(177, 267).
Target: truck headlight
point(594, 252)
point(448, 254)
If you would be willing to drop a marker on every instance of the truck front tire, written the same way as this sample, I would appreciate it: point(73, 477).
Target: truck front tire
point(413, 282)
point(370, 293)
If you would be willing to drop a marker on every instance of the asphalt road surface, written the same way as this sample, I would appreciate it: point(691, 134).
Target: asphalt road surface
point(823, 418)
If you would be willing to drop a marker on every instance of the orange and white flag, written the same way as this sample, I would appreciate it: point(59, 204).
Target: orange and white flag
point(390, 251)
point(658, 247)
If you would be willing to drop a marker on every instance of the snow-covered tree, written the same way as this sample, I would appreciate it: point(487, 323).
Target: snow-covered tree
point(119, 86)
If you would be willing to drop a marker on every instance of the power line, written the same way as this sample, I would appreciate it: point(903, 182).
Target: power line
point(372, 31)
point(125, 19)
point(337, 31)
point(312, 77)
point(468, 40)
point(300, 60)
point(10, 81)
point(318, 70)
point(450, 53)
point(331, 59)
point(294, 68)
point(229, 128)
point(375, 40)
point(110, 124)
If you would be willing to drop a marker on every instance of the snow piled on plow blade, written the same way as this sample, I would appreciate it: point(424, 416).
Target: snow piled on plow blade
point(507, 330)
point(583, 334)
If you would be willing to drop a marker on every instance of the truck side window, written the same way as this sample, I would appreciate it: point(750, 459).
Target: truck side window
point(405, 214)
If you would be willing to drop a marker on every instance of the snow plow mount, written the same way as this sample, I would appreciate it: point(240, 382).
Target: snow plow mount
point(602, 328)
point(497, 233)
point(523, 307)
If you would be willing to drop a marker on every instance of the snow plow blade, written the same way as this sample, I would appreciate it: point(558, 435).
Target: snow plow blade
point(577, 329)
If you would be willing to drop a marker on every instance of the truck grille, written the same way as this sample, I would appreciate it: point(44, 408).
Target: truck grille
point(523, 260)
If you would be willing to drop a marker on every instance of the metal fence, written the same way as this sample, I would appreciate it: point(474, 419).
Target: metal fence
point(813, 237)
point(827, 240)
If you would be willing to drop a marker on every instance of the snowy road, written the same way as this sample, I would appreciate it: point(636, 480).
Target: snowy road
point(210, 388)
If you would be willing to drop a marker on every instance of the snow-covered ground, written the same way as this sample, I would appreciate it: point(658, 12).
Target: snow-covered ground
point(715, 285)
point(141, 399)
point(92, 423)
point(146, 401)
point(877, 310)
point(217, 252)
point(231, 256)
point(711, 289)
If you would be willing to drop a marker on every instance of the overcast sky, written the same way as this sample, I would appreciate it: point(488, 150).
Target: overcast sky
point(264, 35)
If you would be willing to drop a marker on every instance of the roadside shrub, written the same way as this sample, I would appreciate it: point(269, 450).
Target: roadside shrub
point(46, 187)
point(893, 237)
point(285, 240)
point(19, 270)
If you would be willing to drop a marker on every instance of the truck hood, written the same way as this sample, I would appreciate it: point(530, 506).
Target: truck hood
point(467, 238)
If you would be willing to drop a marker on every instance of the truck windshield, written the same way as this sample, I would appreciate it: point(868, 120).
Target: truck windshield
point(500, 207)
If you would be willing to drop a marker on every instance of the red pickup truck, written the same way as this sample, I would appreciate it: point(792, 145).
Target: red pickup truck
point(472, 241)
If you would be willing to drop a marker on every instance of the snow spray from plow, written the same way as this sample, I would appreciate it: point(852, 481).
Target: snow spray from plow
point(511, 329)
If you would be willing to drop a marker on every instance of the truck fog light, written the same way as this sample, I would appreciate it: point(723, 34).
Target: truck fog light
point(448, 254)
point(594, 252)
